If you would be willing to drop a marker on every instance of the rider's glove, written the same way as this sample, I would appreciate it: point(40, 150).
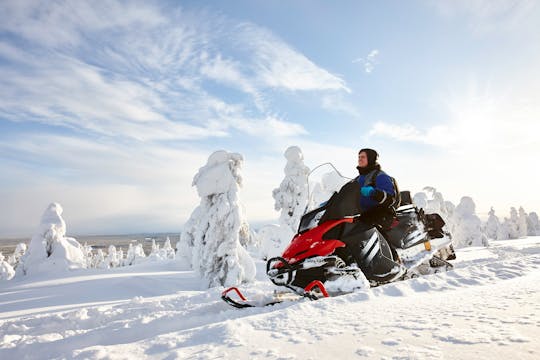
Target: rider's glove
point(367, 190)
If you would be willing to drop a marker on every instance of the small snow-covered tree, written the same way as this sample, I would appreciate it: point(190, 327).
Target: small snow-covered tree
point(99, 260)
point(6, 270)
point(155, 253)
point(113, 260)
point(467, 226)
point(135, 255)
point(435, 203)
point(291, 196)
point(50, 249)
point(88, 255)
point(513, 224)
point(492, 225)
point(212, 233)
point(522, 222)
point(533, 224)
point(167, 252)
point(120, 257)
point(503, 233)
point(13, 260)
point(420, 200)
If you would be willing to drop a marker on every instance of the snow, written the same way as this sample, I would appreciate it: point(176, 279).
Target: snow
point(487, 307)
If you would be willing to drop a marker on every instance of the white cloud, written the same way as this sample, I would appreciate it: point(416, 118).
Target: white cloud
point(369, 62)
point(488, 16)
point(141, 71)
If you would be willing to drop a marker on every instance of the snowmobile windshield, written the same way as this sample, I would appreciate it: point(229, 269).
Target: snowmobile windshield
point(323, 182)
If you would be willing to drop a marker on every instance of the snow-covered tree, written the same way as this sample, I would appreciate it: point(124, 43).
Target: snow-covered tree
point(156, 253)
point(432, 202)
point(14, 258)
point(273, 239)
point(291, 196)
point(167, 252)
point(50, 249)
point(420, 200)
point(467, 225)
point(88, 255)
point(6, 270)
point(212, 234)
point(120, 257)
point(513, 224)
point(533, 224)
point(113, 260)
point(435, 203)
point(135, 255)
point(99, 260)
point(492, 225)
point(503, 233)
point(522, 222)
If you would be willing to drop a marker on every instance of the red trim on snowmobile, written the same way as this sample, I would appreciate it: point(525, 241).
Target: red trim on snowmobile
point(232, 302)
point(224, 293)
point(311, 242)
point(316, 283)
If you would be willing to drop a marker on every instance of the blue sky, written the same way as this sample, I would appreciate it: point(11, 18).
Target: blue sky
point(111, 107)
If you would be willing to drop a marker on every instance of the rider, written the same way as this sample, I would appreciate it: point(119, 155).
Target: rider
point(377, 191)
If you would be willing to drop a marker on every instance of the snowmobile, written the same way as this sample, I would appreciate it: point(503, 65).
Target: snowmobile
point(337, 250)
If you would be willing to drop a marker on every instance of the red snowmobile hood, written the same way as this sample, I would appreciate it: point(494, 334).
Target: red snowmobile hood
point(311, 242)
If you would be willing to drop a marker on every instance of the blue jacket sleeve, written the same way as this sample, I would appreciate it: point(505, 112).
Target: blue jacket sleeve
point(384, 190)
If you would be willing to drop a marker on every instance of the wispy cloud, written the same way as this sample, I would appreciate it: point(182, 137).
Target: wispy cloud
point(369, 61)
point(488, 16)
point(477, 117)
point(145, 71)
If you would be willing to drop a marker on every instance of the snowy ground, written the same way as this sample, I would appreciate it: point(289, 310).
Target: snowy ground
point(487, 308)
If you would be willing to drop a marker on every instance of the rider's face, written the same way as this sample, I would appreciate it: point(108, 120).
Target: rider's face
point(362, 159)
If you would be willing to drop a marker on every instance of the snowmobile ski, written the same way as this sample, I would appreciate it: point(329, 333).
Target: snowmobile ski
point(310, 292)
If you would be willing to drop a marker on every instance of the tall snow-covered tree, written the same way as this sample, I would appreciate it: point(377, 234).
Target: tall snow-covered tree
point(291, 197)
point(467, 225)
point(522, 222)
point(50, 249)
point(212, 233)
point(533, 224)
point(492, 225)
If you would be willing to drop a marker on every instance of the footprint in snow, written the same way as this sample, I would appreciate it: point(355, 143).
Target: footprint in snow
point(390, 342)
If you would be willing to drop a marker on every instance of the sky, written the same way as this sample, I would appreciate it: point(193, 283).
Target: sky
point(111, 107)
